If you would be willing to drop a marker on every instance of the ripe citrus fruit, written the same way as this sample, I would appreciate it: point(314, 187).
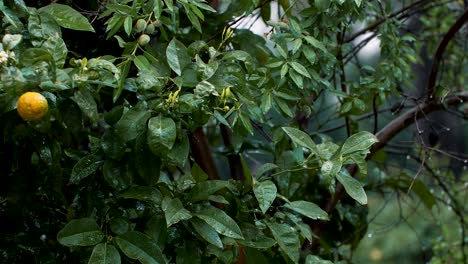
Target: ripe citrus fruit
point(32, 106)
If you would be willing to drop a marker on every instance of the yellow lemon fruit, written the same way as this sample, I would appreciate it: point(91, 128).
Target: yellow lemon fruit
point(32, 106)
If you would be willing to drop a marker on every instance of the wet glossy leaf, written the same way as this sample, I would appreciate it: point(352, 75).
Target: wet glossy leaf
point(177, 56)
point(87, 104)
point(287, 239)
point(104, 254)
point(132, 124)
point(206, 232)
point(85, 167)
point(161, 135)
point(140, 247)
point(80, 232)
point(265, 192)
point(202, 190)
point(221, 222)
point(174, 211)
point(118, 175)
point(68, 17)
point(353, 187)
point(358, 142)
point(142, 193)
point(308, 209)
point(300, 138)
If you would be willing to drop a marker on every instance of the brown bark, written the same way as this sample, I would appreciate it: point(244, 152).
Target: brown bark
point(201, 152)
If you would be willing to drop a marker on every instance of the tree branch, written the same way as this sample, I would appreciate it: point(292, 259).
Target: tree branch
point(384, 136)
point(440, 51)
point(202, 154)
point(402, 12)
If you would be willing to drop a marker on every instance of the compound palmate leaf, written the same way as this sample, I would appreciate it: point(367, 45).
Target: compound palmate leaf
point(139, 246)
point(104, 254)
point(80, 232)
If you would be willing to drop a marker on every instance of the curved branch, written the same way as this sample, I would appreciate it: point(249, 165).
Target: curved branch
point(384, 136)
point(440, 51)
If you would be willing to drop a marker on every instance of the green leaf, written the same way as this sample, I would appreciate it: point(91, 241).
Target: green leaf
point(177, 56)
point(254, 237)
point(118, 175)
point(300, 69)
point(308, 209)
point(221, 222)
point(85, 101)
point(358, 142)
point(266, 102)
point(104, 254)
point(315, 43)
point(10, 41)
point(113, 145)
point(132, 124)
point(174, 211)
point(287, 239)
point(85, 167)
point(142, 63)
point(147, 164)
point(300, 138)
point(284, 107)
point(202, 190)
point(265, 192)
point(311, 259)
point(161, 135)
point(245, 121)
point(330, 169)
point(246, 171)
point(297, 78)
point(353, 187)
point(68, 17)
point(206, 232)
point(142, 193)
point(180, 152)
point(80, 232)
point(128, 25)
point(140, 247)
point(264, 169)
point(124, 69)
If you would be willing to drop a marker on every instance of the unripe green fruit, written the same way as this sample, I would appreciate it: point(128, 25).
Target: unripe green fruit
point(157, 23)
point(143, 39)
point(150, 29)
point(140, 25)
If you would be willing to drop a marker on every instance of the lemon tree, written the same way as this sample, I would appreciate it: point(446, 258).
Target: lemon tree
point(168, 132)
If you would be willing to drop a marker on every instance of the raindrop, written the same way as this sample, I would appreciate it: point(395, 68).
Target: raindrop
point(465, 161)
point(448, 129)
point(370, 235)
point(43, 237)
point(408, 157)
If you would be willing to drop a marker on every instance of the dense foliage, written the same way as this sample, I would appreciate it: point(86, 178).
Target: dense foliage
point(176, 134)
